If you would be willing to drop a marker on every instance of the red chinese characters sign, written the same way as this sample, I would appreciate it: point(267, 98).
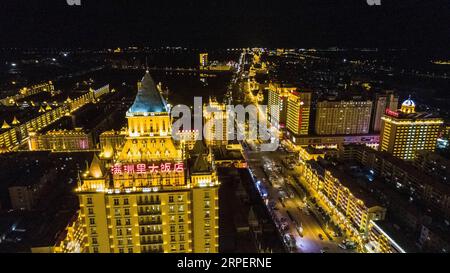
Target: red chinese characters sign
point(391, 113)
point(143, 168)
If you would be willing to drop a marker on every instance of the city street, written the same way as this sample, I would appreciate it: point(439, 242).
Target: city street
point(309, 234)
point(299, 223)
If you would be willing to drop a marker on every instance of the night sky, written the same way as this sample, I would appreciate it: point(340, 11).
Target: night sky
point(420, 24)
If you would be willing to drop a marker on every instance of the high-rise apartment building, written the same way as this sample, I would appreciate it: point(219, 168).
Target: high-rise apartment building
point(343, 117)
point(298, 113)
point(216, 117)
point(406, 131)
point(203, 60)
point(278, 96)
point(383, 101)
point(150, 197)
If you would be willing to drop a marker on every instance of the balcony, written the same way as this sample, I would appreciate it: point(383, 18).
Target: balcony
point(150, 223)
point(143, 202)
point(149, 212)
point(151, 242)
point(159, 250)
point(150, 232)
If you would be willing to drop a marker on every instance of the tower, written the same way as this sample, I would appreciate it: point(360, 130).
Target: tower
point(405, 131)
point(150, 198)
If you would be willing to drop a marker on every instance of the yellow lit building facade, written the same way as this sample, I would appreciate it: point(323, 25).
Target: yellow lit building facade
point(405, 131)
point(348, 209)
point(278, 96)
point(204, 60)
point(343, 117)
point(298, 114)
point(216, 123)
point(150, 197)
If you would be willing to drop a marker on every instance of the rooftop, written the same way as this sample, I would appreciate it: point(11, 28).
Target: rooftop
point(148, 98)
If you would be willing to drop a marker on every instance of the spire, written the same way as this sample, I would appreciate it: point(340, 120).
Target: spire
point(148, 99)
point(5, 125)
point(96, 169)
point(15, 121)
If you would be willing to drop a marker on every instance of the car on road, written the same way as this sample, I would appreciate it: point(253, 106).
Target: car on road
point(324, 250)
point(342, 246)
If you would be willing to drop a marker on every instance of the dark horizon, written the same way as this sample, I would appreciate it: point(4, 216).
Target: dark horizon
point(411, 24)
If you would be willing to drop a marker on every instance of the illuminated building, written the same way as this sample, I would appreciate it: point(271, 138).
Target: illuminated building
point(28, 91)
point(204, 60)
point(188, 138)
point(298, 114)
point(340, 195)
point(384, 101)
point(278, 96)
point(150, 197)
point(380, 240)
point(61, 140)
point(310, 153)
point(19, 132)
point(343, 117)
point(404, 132)
point(333, 142)
point(111, 142)
point(217, 133)
point(72, 239)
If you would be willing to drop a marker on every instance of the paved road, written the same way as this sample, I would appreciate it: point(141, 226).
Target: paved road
point(293, 209)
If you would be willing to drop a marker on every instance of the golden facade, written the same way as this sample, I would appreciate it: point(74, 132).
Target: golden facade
point(150, 197)
point(405, 132)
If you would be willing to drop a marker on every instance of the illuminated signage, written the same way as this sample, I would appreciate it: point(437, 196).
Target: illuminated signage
point(391, 113)
point(144, 168)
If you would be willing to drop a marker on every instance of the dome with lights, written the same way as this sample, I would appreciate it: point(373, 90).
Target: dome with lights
point(408, 106)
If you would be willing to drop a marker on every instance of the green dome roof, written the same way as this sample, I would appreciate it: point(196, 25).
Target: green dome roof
point(148, 98)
